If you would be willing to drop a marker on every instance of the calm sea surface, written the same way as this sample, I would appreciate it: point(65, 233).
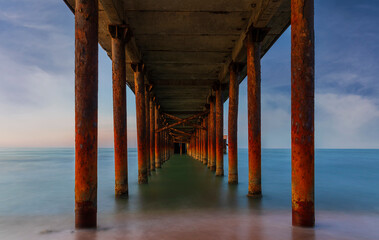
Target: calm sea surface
point(40, 183)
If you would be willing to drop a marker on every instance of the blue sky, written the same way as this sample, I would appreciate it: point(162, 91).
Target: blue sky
point(37, 79)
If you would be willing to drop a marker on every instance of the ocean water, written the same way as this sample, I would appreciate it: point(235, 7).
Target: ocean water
point(37, 197)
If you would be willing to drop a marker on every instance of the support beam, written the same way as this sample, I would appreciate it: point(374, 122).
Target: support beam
point(180, 119)
point(253, 45)
point(302, 112)
point(152, 135)
point(219, 132)
point(181, 148)
point(183, 121)
point(139, 89)
point(181, 132)
point(86, 105)
point(232, 125)
point(212, 130)
point(119, 109)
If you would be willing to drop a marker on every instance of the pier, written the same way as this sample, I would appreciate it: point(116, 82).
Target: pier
point(183, 60)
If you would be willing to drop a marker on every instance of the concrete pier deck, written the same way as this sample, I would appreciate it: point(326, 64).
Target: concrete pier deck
point(188, 45)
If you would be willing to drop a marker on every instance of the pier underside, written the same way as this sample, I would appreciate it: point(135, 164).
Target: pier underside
point(187, 46)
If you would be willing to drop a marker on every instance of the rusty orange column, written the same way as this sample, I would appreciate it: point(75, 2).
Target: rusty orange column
point(203, 160)
point(205, 139)
point(209, 143)
point(119, 109)
point(253, 45)
point(219, 133)
point(196, 145)
point(156, 140)
point(302, 112)
point(232, 126)
point(192, 144)
point(139, 89)
point(86, 105)
point(181, 148)
point(164, 145)
point(152, 135)
point(190, 147)
point(212, 129)
point(147, 121)
point(200, 135)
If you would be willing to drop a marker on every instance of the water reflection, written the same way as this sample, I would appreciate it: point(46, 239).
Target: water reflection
point(303, 233)
point(86, 235)
point(186, 184)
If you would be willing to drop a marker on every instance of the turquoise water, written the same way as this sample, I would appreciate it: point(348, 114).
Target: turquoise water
point(39, 182)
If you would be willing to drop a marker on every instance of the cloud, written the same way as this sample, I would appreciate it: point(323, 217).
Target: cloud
point(346, 121)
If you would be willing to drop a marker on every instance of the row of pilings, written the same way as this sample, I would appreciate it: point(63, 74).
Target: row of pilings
point(155, 144)
point(206, 144)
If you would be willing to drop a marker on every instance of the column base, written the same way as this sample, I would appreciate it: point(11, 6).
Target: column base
point(213, 168)
point(121, 191)
point(233, 179)
point(304, 216)
point(157, 165)
point(85, 215)
point(254, 194)
point(219, 172)
point(142, 178)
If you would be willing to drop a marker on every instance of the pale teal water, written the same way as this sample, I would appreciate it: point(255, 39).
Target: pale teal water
point(38, 182)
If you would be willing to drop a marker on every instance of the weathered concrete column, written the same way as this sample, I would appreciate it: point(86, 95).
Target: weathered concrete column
point(302, 112)
point(232, 126)
point(190, 150)
point(209, 142)
point(156, 141)
point(119, 109)
point(219, 133)
point(212, 131)
point(253, 45)
point(86, 105)
point(199, 155)
point(199, 135)
point(147, 121)
point(139, 89)
point(152, 135)
point(205, 141)
point(195, 145)
point(164, 146)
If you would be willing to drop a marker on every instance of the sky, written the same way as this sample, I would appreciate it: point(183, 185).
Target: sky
point(37, 79)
